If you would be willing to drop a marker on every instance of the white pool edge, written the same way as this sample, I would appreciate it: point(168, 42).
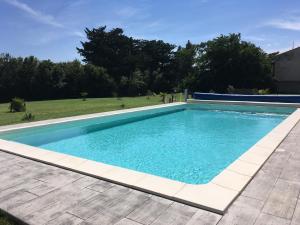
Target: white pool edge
point(215, 196)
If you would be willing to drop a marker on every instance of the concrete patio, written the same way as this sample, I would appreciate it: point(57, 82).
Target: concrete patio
point(38, 194)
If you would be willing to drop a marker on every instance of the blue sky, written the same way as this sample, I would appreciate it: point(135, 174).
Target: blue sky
point(52, 29)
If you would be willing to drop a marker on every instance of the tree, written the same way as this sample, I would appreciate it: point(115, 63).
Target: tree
point(153, 56)
point(42, 82)
point(184, 64)
point(134, 86)
point(122, 55)
point(227, 60)
point(115, 64)
point(9, 71)
point(97, 82)
point(111, 50)
point(74, 71)
point(24, 79)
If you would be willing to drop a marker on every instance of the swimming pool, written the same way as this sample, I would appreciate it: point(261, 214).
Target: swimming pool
point(189, 143)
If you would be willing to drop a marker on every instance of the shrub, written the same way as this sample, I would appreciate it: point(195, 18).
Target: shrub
point(230, 89)
point(264, 91)
point(163, 97)
point(17, 105)
point(28, 117)
point(83, 95)
point(254, 91)
point(122, 106)
point(149, 93)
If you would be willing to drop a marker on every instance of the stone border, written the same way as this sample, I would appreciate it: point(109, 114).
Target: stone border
point(215, 196)
point(83, 117)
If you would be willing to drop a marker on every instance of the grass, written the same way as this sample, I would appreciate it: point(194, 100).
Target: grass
point(4, 220)
point(51, 109)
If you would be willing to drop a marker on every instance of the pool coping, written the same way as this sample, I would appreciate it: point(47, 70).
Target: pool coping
point(214, 196)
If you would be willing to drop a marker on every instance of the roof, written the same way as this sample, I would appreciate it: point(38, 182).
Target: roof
point(289, 51)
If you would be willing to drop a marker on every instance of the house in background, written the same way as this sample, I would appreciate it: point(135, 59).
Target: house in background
point(286, 71)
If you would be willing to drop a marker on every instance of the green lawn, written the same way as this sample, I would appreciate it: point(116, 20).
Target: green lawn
point(5, 221)
point(70, 107)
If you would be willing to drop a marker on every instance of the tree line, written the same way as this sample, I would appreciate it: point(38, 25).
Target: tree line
point(115, 64)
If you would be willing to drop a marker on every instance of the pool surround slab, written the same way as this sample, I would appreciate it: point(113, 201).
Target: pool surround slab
point(214, 196)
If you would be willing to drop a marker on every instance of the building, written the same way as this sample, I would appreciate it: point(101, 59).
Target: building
point(286, 69)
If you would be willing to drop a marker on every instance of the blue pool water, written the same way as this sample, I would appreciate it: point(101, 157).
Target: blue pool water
point(189, 143)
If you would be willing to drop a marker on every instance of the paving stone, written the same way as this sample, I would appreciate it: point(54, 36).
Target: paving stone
point(58, 176)
point(8, 168)
point(26, 185)
point(116, 209)
point(265, 219)
point(243, 211)
point(48, 207)
point(65, 219)
point(291, 171)
point(102, 218)
point(290, 144)
point(261, 186)
point(203, 217)
point(150, 210)
point(295, 156)
point(282, 200)
point(43, 189)
point(296, 216)
point(176, 214)
point(98, 203)
point(15, 199)
point(5, 158)
point(273, 172)
point(17, 195)
point(57, 208)
point(277, 160)
point(28, 163)
point(101, 186)
point(16, 177)
point(126, 221)
point(127, 204)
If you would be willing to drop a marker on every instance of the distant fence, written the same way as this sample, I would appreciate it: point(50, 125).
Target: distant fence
point(252, 98)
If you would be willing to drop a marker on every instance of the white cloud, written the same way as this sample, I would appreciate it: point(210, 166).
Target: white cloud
point(253, 38)
point(38, 16)
point(43, 18)
point(127, 12)
point(78, 34)
point(285, 24)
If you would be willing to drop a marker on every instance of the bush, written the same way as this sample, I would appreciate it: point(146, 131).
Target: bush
point(163, 97)
point(122, 106)
point(17, 105)
point(149, 93)
point(264, 91)
point(28, 117)
point(83, 95)
point(230, 89)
